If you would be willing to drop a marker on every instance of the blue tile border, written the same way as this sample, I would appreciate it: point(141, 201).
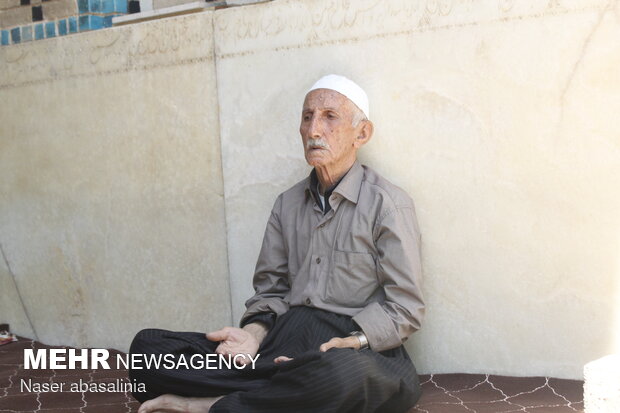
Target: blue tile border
point(85, 21)
point(50, 29)
point(73, 24)
point(120, 6)
point(94, 6)
point(82, 6)
point(62, 27)
point(107, 21)
point(39, 32)
point(15, 35)
point(96, 22)
point(107, 6)
point(27, 33)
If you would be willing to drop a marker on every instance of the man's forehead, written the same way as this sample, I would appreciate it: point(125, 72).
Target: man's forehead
point(325, 99)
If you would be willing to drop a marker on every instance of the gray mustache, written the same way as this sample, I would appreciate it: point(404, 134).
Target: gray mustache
point(314, 143)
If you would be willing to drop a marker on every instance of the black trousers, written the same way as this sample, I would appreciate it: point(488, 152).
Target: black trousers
point(339, 380)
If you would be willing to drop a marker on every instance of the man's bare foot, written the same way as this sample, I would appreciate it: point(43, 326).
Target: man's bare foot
point(169, 403)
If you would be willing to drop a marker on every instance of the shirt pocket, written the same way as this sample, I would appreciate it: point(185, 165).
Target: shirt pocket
point(353, 279)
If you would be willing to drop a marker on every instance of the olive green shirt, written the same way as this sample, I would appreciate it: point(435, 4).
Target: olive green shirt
point(361, 258)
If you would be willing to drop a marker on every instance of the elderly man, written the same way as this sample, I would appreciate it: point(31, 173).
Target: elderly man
point(337, 290)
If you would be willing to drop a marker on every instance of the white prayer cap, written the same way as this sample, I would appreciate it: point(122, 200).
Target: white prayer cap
point(345, 87)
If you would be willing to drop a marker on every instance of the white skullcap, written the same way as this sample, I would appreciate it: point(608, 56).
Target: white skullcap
point(345, 87)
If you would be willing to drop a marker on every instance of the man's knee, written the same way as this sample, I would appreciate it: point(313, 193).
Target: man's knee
point(366, 370)
point(349, 368)
point(144, 341)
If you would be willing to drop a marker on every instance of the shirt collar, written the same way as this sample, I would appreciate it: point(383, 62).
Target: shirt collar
point(349, 185)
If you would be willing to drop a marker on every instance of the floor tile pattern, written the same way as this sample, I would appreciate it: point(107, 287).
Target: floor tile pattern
point(480, 393)
point(442, 393)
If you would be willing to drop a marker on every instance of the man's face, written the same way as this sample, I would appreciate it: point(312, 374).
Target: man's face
point(328, 136)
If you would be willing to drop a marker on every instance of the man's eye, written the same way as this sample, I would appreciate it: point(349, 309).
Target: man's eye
point(331, 116)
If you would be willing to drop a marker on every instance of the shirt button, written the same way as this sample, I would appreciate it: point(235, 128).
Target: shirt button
point(308, 301)
point(318, 260)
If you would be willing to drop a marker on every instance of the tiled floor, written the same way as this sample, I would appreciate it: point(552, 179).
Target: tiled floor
point(455, 393)
point(449, 393)
point(15, 398)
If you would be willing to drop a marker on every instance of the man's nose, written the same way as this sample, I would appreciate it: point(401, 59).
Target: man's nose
point(314, 128)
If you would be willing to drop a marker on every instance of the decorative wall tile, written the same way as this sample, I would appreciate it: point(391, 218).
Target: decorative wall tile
point(82, 6)
point(62, 27)
point(73, 25)
point(84, 23)
point(39, 31)
point(58, 17)
point(26, 33)
point(37, 13)
point(50, 29)
point(96, 22)
point(134, 6)
point(107, 20)
point(15, 35)
point(107, 6)
point(120, 6)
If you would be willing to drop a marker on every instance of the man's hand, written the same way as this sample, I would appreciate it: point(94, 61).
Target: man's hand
point(235, 341)
point(335, 342)
point(339, 342)
point(281, 359)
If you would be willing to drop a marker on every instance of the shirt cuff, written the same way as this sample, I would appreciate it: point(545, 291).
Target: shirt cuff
point(378, 327)
point(268, 319)
point(275, 305)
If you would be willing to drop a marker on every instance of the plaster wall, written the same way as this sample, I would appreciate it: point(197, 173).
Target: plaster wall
point(497, 117)
point(111, 206)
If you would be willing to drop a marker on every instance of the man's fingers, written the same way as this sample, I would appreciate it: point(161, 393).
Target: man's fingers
point(150, 405)
point(223, 350)
point(281, 359)
point(334, 342)
point(338, 342)
point(219, 335)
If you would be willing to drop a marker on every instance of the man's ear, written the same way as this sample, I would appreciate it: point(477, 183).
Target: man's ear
point(364, 133)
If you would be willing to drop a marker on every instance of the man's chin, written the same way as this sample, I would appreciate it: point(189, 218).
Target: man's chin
point(315, 161)
point(315, 157)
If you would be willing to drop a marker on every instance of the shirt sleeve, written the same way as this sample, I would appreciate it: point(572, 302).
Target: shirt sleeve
point(270, 281)
point(397, 239)
point(267, 319)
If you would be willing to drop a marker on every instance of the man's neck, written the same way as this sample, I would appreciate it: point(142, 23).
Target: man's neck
point(329, 176)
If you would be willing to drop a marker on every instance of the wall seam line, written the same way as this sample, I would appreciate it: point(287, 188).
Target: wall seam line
point(219, 130)
point(19, 294)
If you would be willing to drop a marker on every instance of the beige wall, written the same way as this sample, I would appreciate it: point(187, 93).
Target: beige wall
point(111, 212)
point(496, 116)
